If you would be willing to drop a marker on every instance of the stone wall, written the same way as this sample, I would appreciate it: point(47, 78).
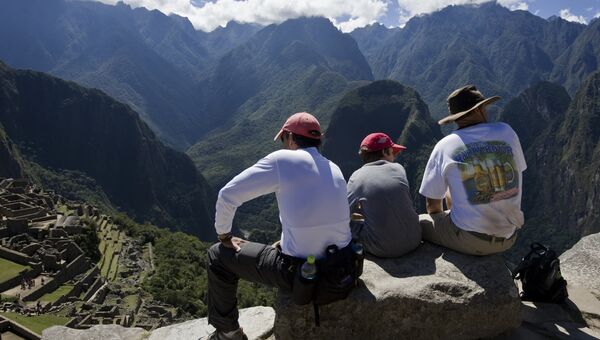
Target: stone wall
point(48, 287)
point(15, 281)
point(15, 256)
point(7, 325)
point(94, 288)
point(76, 267)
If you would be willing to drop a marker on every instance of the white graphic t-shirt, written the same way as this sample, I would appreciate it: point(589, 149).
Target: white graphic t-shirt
point(483, 166)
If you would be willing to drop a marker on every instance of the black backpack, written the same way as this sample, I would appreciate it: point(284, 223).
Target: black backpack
point(539, 272)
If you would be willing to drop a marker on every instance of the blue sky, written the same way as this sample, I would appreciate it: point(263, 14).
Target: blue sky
point(346, 14)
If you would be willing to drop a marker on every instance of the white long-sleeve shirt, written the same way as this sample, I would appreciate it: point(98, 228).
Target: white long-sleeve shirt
point(311, 195)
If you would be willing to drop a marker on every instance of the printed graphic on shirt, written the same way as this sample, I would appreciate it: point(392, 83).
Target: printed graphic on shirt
point(488, 171)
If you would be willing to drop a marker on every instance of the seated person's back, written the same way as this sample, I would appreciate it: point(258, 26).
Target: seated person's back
point(478, 169)
point(380, 186)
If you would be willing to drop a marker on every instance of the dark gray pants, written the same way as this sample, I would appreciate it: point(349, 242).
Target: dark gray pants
point(256, 263)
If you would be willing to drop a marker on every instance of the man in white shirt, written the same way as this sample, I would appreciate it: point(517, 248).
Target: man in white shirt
point(313, 210)
point(478, 170)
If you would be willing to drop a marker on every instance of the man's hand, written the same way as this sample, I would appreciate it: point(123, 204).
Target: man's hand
point(231, 242)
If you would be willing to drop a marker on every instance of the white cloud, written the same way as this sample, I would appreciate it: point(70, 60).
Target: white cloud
point(410, 8)
point(567, 15)
point(208, 15)
point(597, 15)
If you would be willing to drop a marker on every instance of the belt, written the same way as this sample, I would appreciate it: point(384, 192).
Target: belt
point(490, 238)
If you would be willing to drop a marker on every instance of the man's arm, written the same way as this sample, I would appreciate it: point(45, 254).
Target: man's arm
point(433, 206)
point(448, 200)
point(260, 179)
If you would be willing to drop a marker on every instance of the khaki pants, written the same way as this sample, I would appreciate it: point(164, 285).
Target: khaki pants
point(439, 229)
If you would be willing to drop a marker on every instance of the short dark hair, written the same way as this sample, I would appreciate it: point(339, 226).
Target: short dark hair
point(305, 142)
point(372, 156)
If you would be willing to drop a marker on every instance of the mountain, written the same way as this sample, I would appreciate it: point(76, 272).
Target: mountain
point(302, 64)
point(503, 52)
point(223, 39)
point(10, 161)
point(576, 165)
point(389, 107)
point(580, 59)
point(143, 58)
point(372, 37)
point(81, 142)
point(560, 138)
point(534, 110)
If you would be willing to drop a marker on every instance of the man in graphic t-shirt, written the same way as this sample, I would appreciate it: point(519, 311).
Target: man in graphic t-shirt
point(478, 170)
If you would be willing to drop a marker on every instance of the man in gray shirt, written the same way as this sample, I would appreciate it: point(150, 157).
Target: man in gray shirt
point(379, 191)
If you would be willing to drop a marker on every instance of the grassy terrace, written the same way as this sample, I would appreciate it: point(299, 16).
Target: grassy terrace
point(52, 297)
point(37, 323)
point(111, 243)
point(9, 269)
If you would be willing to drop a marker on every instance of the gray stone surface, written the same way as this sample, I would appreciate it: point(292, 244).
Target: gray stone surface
point(101, 332)
point(257, 323)
point(431, 293)
point(584, 304)
point(580, 265)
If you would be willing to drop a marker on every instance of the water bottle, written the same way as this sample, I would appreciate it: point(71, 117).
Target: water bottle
point(309, 269)
point(359, 256)
point(305, 282)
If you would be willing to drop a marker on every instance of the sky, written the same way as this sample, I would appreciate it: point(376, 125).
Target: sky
point(347, 15)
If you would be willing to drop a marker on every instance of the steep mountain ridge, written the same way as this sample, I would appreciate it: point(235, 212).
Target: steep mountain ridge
point(59, 126)
point(143, 58)
point(302, 64)
point(580, 60)
point(560, 138)
point(389, 107)
point(503, 52)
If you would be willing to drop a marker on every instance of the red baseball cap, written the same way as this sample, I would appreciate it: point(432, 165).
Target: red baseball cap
point(379, 141)
point(303, 124)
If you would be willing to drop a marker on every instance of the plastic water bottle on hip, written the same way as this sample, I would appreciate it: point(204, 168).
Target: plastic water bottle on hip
point(309, 269)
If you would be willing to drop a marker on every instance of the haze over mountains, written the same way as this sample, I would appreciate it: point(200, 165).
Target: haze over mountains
point(502, 51)
point(143, 58)
point(221, 96)
point(86, 145)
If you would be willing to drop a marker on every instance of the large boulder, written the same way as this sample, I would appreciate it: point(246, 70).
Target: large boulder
point(256, 321)
point(580, 265)
point(431, 293)
point(99, 332)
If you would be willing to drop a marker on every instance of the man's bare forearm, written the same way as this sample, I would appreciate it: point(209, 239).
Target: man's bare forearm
point(433, 206)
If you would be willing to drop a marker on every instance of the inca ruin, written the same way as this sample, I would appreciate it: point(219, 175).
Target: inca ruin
point(44, 273)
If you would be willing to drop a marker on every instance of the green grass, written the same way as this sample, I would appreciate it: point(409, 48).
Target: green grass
point(130, 302)
point(107, 260)
point(37, 323)
point(65, 211)
point(114, 267)
point(9, 269)
point(55, 295)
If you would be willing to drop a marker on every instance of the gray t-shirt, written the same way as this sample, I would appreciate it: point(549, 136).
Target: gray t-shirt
point(391, 223)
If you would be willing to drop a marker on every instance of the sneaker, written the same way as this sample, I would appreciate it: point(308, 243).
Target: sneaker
point(236, 335)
